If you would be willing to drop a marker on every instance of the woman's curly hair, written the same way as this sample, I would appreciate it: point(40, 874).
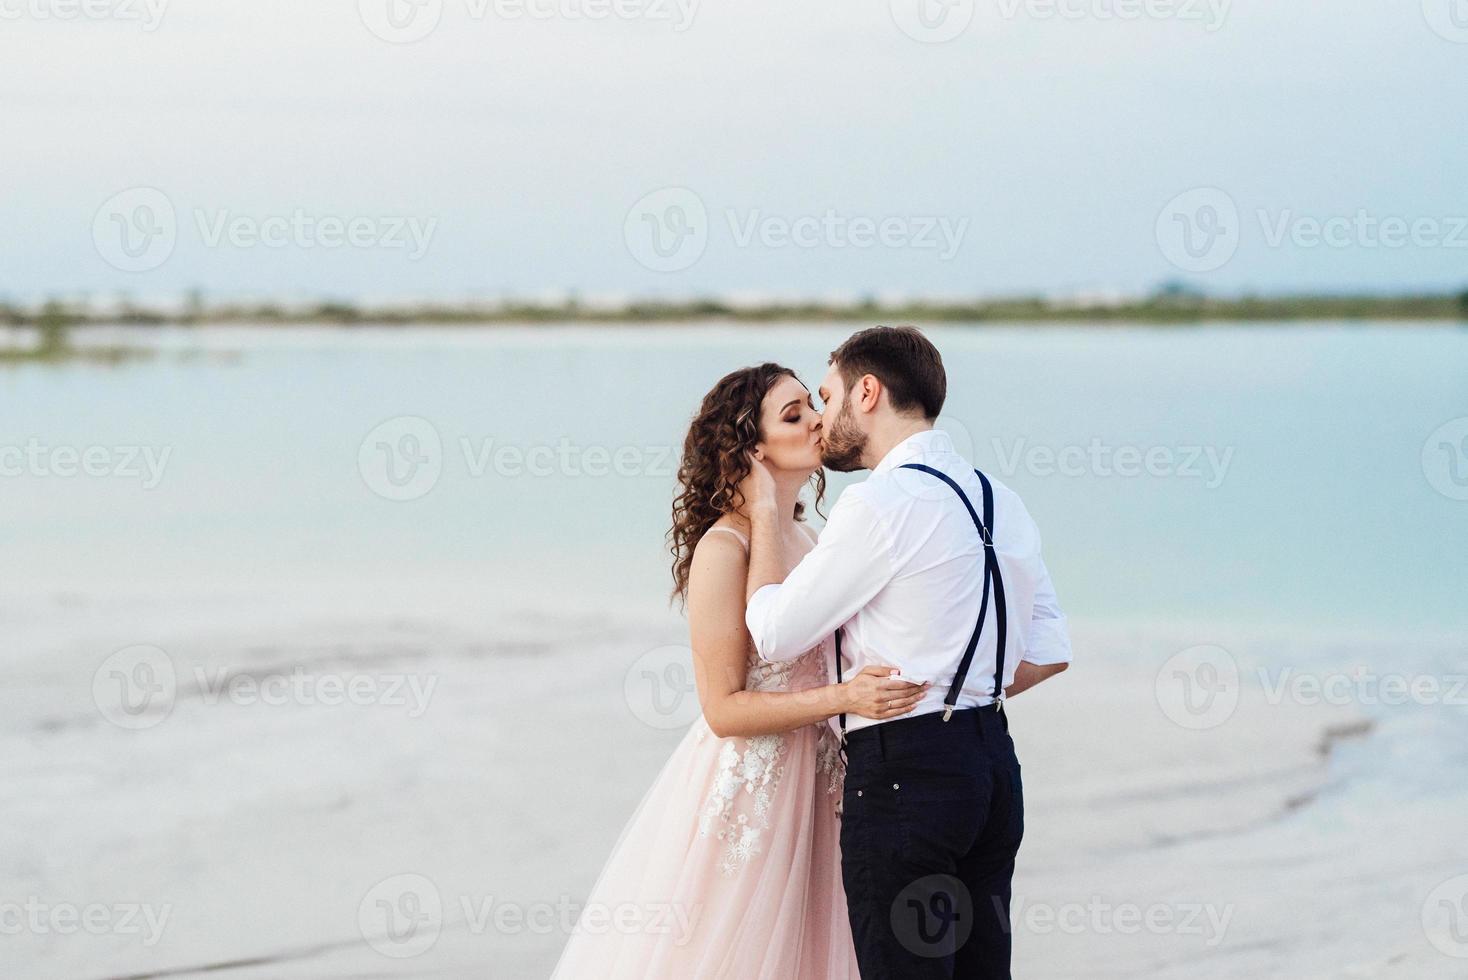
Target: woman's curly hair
point(715, 461)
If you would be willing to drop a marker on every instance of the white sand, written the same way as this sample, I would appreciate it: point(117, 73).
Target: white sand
point(261, 829)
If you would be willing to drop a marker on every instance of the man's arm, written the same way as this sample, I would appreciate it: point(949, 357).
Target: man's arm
point(1047, 646)
point(1027, 675)
point(767, 564)
point(851, 563)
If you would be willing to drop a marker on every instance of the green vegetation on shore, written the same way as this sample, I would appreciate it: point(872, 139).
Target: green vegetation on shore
point(1171, 305)
point(53, 323)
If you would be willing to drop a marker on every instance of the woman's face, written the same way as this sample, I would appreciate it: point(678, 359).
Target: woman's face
point(791, 428)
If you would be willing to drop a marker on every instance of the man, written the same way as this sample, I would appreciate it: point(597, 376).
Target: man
point(924, 567)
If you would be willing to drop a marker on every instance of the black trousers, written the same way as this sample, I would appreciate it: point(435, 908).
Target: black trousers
point(933, 815)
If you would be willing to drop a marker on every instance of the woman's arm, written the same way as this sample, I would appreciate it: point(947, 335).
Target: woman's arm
point(721, 648)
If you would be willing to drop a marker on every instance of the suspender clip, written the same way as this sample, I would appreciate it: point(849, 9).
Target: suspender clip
point(947, 711)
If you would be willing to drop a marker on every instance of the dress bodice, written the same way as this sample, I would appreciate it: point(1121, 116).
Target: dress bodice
point(809, 670)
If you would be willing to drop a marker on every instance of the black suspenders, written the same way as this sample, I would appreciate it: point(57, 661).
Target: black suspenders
point(991, 574)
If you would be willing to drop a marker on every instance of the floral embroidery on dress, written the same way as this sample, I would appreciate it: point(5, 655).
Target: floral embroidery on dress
point(757, 771)
point(766, 676)
point(828, 761)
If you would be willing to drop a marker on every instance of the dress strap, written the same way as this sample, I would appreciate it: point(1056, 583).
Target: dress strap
point(729, 530)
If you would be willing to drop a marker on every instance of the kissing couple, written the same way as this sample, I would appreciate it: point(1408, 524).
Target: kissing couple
point(850, 803)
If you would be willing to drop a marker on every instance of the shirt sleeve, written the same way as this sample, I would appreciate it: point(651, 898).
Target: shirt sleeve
point(1048, 638)
point(849, 565)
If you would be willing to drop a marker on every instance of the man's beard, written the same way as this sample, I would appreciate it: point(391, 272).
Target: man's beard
point(843, 443)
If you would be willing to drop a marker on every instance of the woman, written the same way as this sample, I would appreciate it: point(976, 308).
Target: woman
point(730, 864)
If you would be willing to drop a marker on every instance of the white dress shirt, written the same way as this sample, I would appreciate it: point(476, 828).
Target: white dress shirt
point(900, 566)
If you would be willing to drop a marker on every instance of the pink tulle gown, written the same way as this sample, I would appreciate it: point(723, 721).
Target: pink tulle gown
point(730, 867)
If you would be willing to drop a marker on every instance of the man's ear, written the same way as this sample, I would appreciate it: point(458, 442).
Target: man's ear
point(869, 393)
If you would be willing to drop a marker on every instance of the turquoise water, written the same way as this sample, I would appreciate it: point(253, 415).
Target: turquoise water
point(1323, 532)
point(1308, 502)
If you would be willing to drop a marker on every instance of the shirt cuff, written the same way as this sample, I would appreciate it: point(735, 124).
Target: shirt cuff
point(757, 614)
point(1049, 643)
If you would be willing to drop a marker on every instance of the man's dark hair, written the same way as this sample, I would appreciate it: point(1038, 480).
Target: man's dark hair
point(906, 362)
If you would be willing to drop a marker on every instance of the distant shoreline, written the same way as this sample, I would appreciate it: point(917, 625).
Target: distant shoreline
point(1167, 309)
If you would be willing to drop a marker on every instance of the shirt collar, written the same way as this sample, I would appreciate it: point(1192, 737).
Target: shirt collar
point(914, 447)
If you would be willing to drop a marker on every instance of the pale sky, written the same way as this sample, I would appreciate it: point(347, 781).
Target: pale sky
point(833, 153)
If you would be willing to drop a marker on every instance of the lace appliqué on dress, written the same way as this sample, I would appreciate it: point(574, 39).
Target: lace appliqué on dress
point(830, 764)
point(757, 771)
point(769, 676)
